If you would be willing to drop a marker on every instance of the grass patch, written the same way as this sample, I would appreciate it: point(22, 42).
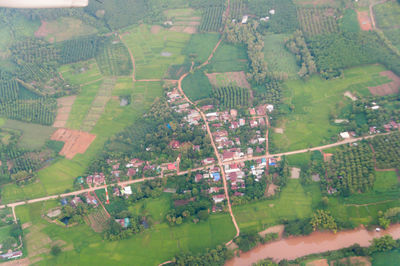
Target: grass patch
point(349, 21)
point(294, 201)
point(147, 49)
point(197, 86)
point(385, 181)
point(33, 136)
point(277, 57)
point(200, 46)
point(81, 73)
point(228, 58)
point(386, 258)
point(299, 160)
point(156, 208)
point(314, 100)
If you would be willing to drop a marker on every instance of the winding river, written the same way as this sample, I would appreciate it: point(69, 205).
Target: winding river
point(318, 242)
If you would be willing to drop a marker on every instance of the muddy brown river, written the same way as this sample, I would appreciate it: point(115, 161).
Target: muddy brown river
point(317, 242)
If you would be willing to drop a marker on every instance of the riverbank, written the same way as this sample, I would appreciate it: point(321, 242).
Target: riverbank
point(317, 242)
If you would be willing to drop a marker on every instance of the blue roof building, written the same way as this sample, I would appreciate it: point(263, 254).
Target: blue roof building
point(216, 176)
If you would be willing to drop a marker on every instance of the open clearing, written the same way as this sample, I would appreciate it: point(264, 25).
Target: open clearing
point(63, 28)
point(238, 79)
point(75, 141)
point(64, 108)
point(388, 88)
point(184, 20)
point(364, 20)
point(350, 96)
point(295, 173)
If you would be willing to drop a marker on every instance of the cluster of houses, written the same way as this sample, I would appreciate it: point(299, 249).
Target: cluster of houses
point(179, 105)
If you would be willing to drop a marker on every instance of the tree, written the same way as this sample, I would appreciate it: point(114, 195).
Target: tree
point(55, 250)
point(385, 243)
point(203, 215)
point(8, 243)
point(323, 220)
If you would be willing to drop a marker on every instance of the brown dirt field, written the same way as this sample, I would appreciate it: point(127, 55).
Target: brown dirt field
point(274, 229)
point(320, 262)
point(388, 88)
point(231, 77)
point(327, 157)
point(177, 28)
point(364, 20)
point(75, 141)
point(353, 261)
point(271, 190)
point(190, 30)
point(64, 108)
point(24, 262)
point(155, 29)
point(43, 31)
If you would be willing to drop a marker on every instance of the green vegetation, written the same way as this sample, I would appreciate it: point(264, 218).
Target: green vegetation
point(88, 246)
point(154, 53)
point(212, 19)
point(197, 86)
point(114, 60)
point(386, 151)
point(386, 258)
point(294, 201)
point(349, 21)
point(277, 57)
point(200, 46)
point(311, 103)
point(232, 97)
point(32, 136)
point(228, 58)
point(314, 21)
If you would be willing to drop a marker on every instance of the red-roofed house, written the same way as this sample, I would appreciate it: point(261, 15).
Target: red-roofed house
point(174, 144)
point(252, 111)
point(171, 166)
point(131, 172)
point(219, 198)
point(253, 123)
point(198, 178)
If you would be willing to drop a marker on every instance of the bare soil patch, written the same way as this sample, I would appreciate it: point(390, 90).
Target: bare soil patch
point(271, 190)
point(227, 78)
point(24, 262)
point(43, 31)
point(364, 20)
point(274, 229)
point(155, 29)
point(190, 30)
point(388, 88)
point(64, 108)
point(320, 262)
point(278, 130)
point(26, 225)
point(177, 28)
point(361, 261)
point(295, 173)
point(75, 141)
point(350, 95)
point(327, 157)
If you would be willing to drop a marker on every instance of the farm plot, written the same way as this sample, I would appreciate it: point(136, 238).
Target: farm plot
point(315, 21)
point(64, 108)
point(63, 28)
point(232, 97)
point(387, 153)
point(212, 19)
point(155, 53)
point(314, 100)
point(114, 60)
point(365, 20)
point(200, 46)
point(387, 16)
point(237, 79)
point(97, 220)
point(278, 58)
point(237, 9)
point(197, 86)
point(388, 88)
point(98, 104)
point(228, 58)
point(81, 73)
point(184, 20)
point(75, 141)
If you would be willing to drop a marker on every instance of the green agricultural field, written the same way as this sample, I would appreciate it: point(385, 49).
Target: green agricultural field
point(386, 258)
point(88, 247)
point(156, 208)
point(200, 46)
point(58, 177)
point(277, 57)
point(349, 21)
point(228, 58)
point(197, 86)
point(33, 136)
point(388, 19)
point(294, 201)
point(64, 28)
point(299, 160)
point(81, 73)
point(154, 52)
point(312, 101)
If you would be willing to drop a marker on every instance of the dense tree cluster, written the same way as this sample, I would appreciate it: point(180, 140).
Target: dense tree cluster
point(297, 45)
point(232, 96)
point(322, 220)
point(298, 227)
point(334, 52)
point(350, 170)
point(247, 34)
point(387, 152)
point(216, 256)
